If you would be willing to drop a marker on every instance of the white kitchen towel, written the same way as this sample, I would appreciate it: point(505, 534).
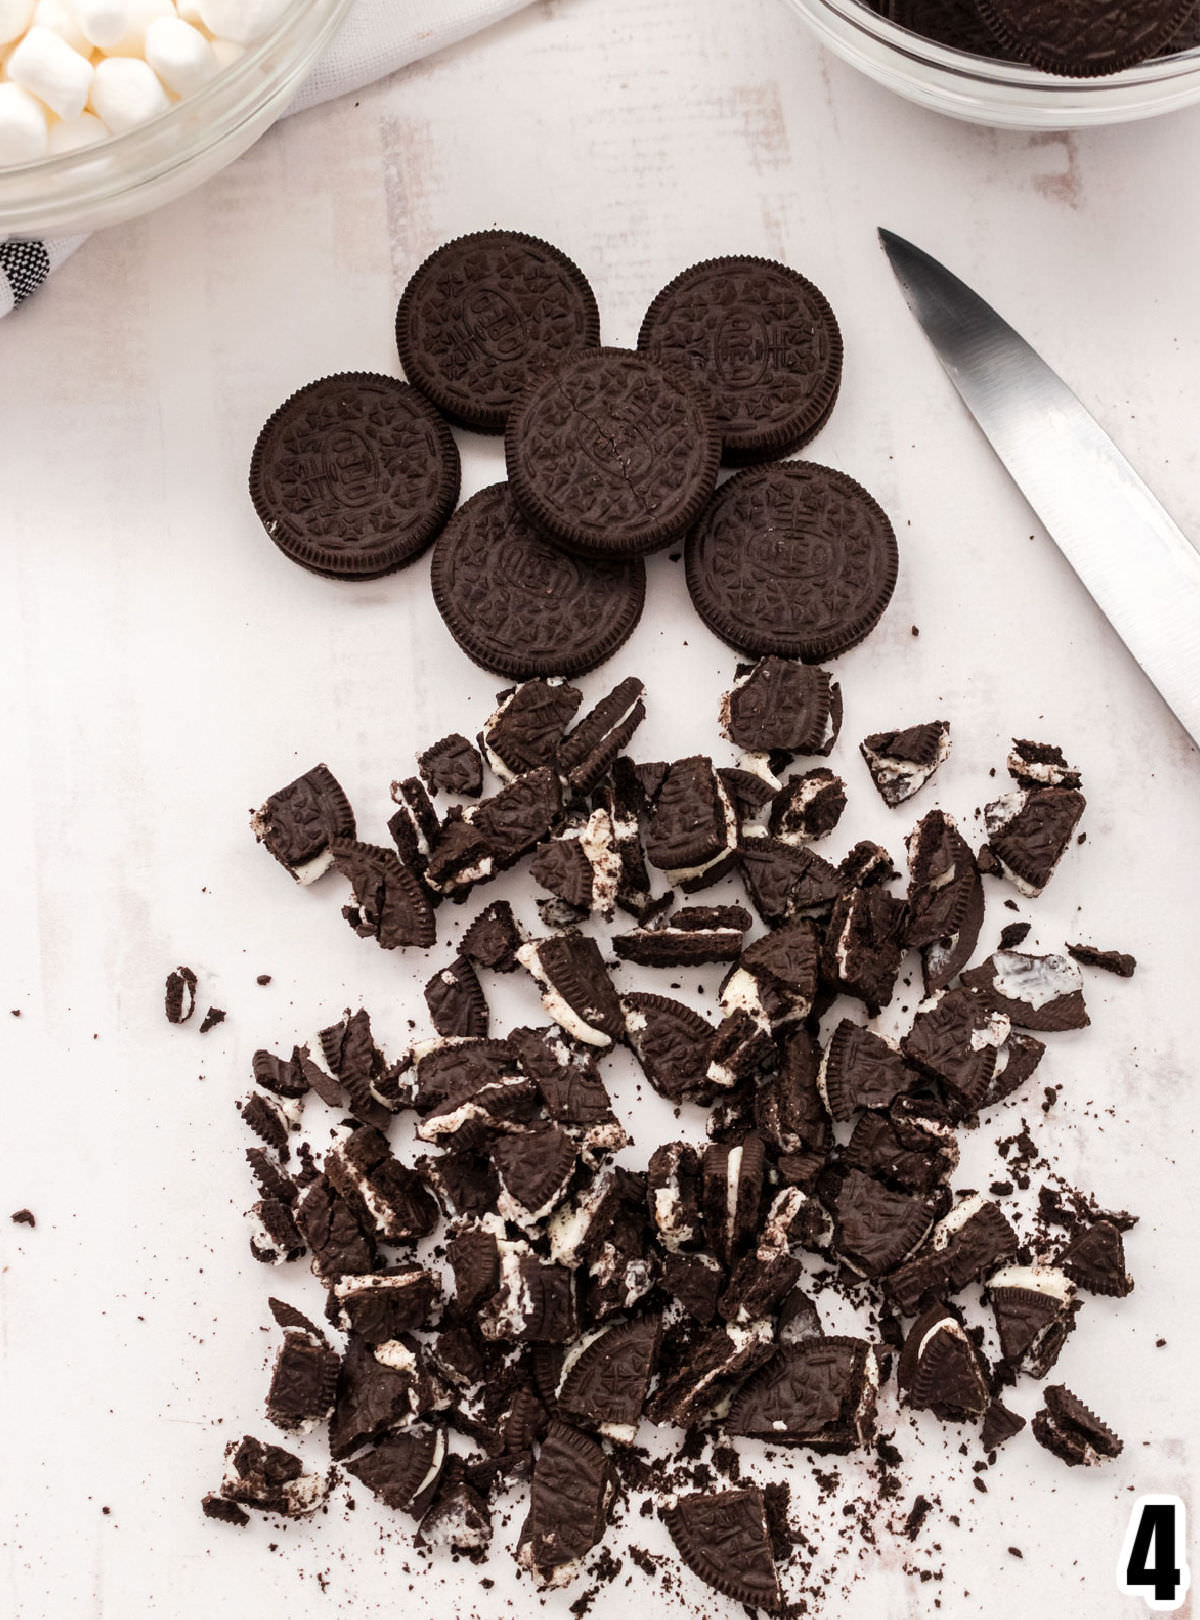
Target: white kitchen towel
point(377, 37)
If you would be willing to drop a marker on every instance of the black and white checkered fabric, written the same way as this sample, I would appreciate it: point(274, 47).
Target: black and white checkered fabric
point(23, 268)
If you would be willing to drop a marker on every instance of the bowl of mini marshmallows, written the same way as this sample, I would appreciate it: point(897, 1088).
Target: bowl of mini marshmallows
point(109, 108)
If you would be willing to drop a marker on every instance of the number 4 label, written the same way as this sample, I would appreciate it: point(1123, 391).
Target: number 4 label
point(1153, 1563)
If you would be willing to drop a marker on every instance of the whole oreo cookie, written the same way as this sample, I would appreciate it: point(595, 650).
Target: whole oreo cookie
point(519, 606)
point(483, 315)
point(610, 455)
point(1081, 39)
point(761, 343)
point(794, 559)
point(354, 475)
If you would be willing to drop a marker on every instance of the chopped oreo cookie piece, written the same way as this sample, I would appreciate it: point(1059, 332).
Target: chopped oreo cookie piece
point(819, 1393)
point(270, 1479)
point(606, 1376)
point(945, 899)
point(569, 1500)
point(215, 1507)
point(860, 1069)
point(1066, 1427)
point(999, 1425)
point(1095, 1259)
point(304, 1377)
point(300, 824)
point(274, 1235)
point(1118, 962)
point(781, 705)
point(789, 1112)
point(588, 752)
point(402, 1469)
point(955, 1039)
point(456, 1002)
point(901, 762)
point(271, 1118)
point(576, 989)
point(492, 939)
point(875, 1228)
point(1016, 1059)
point(723, 1537)
point(574, 1094)
point(713, 1365)
point(390, 903)
point(672, 946)
point(911, 1147)
point(1044, 993)
point(452, 765)
point(286, 1078)
point(385, 1304)
point(389, 1198)
point(340, 1245)
point(941, 1370)
point(528, 725)
point(1029, 831)
point(1035, 1309)
point(673, 1183)
point(582, 865)
point(535, 1166)
point(784, 882)
point(532, 1301)
point(695, 1280)
point(360, 1068)
point(516, 819)
point(731, 1189)
point(179, 999)
point(458, 1519)
point(1035, 765)
point(775, 979)
point(380, 1387)
point(864, 945)
point(672, 1043)
point(807, 807)
point(691, 830)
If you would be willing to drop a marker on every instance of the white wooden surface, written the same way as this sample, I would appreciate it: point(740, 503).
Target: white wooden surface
point(163, 668)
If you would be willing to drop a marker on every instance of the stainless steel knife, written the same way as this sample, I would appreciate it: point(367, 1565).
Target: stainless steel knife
point(1139, 566)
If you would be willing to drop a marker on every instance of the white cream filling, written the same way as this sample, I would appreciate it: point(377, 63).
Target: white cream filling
point(733, 1172)
point(597, 840)
point(741, 995)
point(435, 1465)
point(508, 1312)
point(394, 1353)
point(867, 1398)
point(1044, 772)
point(456, 1527)
point(1035, 980)
point(994, 1033)
point(262, 1240)
point(568, 1228)
point(1046, 1280)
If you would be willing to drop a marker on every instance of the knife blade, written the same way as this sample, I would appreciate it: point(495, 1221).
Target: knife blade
point(1139, 566)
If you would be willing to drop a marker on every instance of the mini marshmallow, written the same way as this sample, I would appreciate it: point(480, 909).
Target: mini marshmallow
point(127, 92)
point(103, 21)
point(24, 134)
point(15, 17)
point(73, 134)
point(227, 51)
point(180, 55)
point(60, 15)
point(45, 65)
point(142, 13)
point(243, 21)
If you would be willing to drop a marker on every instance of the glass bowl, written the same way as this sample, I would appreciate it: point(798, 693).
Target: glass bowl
point(130, 174)
point(982, 91)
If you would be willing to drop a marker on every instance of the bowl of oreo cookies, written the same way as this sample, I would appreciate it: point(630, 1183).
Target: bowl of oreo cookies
point(1021, 64)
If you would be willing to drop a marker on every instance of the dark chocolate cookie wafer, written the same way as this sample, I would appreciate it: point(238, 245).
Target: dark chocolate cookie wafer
point(483, 315)
point(354, 475)
point(610, 455)
point(792, 558)
point(762, 344)
point(956, 23)
point(724, 1539)
point(518, 605)
point(1082, 39)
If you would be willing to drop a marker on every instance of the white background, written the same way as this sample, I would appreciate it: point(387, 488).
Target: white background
point(164, 668)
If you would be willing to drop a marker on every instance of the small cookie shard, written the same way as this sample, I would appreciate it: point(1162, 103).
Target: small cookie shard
point(779, 704)
point(531, 1300)
point(270, 1479)
point(304, 1378)
point(724, 1539)
point(574, 1094)
point(274, 1235)
point(1035, 764)
point(1066, 1427)
point(1035, 1309)
point(731, 1191)
point(861, 1070)
point(940, 1369)
point(818, 1393)
point(901, 762)
point(285, 1078)
point(1016, 1059)
point(945, 899)
point(876, 1228)
point(300, 824)
point(673, 1191)
point(493, 938)
point(270, 1118)
point(775, 979)
point(215, 1507)
point(528, 725)
point(672, 1043)
point(390, 902)
point(789, 1112)
point(180, 996)
point(864, 946)
point(691, 830)
point(955, 1039)
point(576, 989)
point(403, 1468)
point(452, 765)
point(605, 1378)
point(456, 1002)
point(385, 1304)
point(784, 882)
point(1028, 832)
point(582, 865)
point(569, 1498)
point(1118, 962)
point(999, 1425)
point(1034, 992)
point(1095, 1259)
point(807, 807)
point(459, 1519)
